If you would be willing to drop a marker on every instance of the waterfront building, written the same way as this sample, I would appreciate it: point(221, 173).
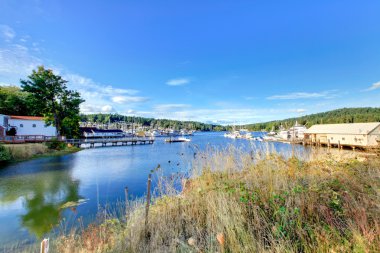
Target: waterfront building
point(93, 132)
point(353, 135)
point(26, 126)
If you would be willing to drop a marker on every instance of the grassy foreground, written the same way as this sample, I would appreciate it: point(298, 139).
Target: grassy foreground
point(21, 152)
point(250, 204)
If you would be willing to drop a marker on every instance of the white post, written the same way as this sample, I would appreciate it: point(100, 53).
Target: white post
point(45, 246)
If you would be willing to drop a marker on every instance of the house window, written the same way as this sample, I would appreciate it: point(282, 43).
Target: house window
point(34, 125)
point(332, 138)
point(21, 125)
point(343, 139)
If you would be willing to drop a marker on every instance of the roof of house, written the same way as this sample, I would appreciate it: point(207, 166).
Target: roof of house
point(349, 128)
point(26, 117)
point(87, 129)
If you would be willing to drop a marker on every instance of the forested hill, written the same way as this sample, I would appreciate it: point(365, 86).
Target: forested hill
point(344, 115)
point(155, 123)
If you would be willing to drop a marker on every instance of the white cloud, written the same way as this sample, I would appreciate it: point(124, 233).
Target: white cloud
point(303, 95)
point(90, 108)
point(7, 33)
point(128, 99)
point(299, 110)
point(374, 86)
point(178, 82)
point(170, 107)
point(16, 62)
point(107, 108)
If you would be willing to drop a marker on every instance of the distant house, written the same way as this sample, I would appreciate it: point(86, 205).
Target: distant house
point(25, 125)
point(93, 132)
point(351, 134)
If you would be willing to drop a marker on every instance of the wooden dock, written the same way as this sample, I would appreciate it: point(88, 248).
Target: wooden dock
point(110, 142)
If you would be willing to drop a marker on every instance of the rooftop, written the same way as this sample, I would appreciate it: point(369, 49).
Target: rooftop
point(348, 128)
point(26, 117)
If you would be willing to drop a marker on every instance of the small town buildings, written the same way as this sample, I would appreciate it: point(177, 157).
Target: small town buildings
point(297, 132)
point(93, 132)
point(26, 125)
point(364, 135)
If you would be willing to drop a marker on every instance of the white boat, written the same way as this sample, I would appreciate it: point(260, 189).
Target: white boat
point(179, 139)
point(232, 135)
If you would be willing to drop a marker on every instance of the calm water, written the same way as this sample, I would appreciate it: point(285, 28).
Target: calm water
point(32, 193)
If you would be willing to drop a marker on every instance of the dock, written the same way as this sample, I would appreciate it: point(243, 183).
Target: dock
point(110, 142)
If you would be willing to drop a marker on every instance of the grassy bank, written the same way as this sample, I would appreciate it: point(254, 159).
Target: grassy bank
point(250, 204)
point(21, 152)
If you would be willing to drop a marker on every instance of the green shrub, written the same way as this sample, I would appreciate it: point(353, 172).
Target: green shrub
point(56, 144)
point(5, 155)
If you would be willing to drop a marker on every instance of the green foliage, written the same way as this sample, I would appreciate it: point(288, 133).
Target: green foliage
point(5, 155)
point(344, 115)
point(13, 101)
point(155, 123)
point(55, 145)
point(59, 105)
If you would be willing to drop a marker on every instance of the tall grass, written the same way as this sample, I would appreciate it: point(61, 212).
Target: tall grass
point(249, 202)
point(25, 151)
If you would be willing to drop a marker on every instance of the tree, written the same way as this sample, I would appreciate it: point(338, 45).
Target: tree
point(59, 105)
point(13, 101)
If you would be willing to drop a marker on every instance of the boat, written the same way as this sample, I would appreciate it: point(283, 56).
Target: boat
point(184, 132)
point(232, 135)
point(179, 139)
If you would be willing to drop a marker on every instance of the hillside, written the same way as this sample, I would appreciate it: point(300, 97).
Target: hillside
point(155, 123)
point(344, 115)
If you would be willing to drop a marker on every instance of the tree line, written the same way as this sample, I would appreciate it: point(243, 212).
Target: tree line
point(44, 93)
point(344, 115)
point(151, 122)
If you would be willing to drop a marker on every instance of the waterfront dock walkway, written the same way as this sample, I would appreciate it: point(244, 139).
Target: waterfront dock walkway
point(109, 142)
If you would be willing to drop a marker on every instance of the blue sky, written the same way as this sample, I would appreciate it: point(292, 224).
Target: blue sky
point(211, 61)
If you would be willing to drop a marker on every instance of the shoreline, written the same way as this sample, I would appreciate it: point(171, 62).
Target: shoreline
point(24, 152)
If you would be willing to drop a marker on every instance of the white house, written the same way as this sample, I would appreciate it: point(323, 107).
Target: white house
point(26, 125)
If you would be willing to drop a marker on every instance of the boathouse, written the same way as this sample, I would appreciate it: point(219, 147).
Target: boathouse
point(363, 135)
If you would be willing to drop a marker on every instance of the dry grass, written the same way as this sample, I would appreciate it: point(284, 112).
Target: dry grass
point(250, 203)
point(25, 151)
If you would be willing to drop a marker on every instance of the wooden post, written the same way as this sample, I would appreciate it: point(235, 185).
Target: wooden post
point(339, 145)
point(147, 201)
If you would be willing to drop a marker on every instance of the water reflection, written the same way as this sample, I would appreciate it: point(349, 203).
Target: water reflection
point(42, 192)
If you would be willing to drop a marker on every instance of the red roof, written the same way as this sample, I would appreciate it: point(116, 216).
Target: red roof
point(27, 117)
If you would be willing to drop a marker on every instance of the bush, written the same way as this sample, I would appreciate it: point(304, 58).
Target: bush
point(56, 144)
point(5, 155)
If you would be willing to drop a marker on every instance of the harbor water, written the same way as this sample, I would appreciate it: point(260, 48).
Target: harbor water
point(36, 195)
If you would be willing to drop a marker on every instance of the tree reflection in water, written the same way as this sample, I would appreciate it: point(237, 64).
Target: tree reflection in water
point(43, 192)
